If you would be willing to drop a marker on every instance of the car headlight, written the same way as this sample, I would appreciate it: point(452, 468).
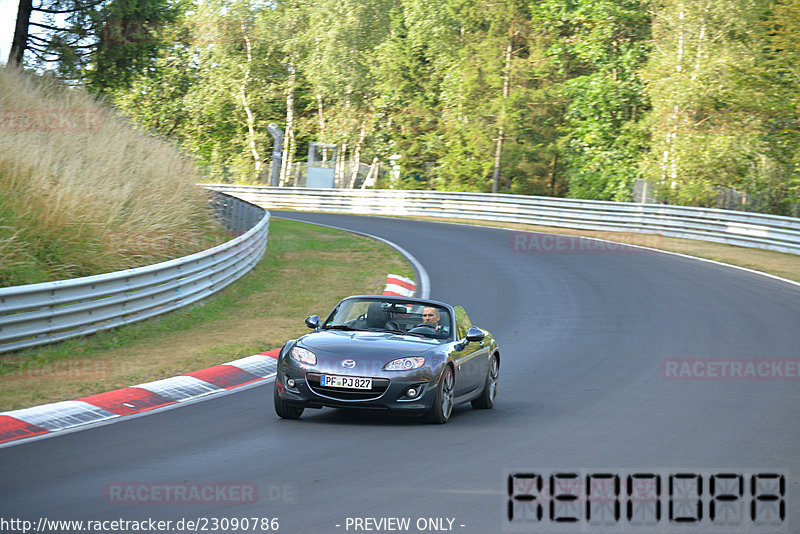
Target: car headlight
point(302, 355)
point(404, 364)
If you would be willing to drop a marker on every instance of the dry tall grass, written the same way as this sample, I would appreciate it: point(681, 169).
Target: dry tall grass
point(82, 191)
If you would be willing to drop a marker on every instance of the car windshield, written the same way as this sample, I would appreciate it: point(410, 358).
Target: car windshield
point(391, 315)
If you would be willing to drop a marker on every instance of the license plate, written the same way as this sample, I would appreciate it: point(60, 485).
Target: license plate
point(349, 382)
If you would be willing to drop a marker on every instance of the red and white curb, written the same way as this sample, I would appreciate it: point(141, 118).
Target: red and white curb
point(59, 416)
point(399, 286)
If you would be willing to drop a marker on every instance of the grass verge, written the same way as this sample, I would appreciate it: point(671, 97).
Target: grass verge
point(307, 269)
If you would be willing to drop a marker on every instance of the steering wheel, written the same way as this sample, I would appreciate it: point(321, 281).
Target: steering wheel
point(423, 325)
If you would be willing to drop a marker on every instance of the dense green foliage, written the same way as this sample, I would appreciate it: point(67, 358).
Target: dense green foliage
point(551, 97)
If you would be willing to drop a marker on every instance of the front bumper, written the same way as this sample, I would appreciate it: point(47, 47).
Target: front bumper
point(389, 392)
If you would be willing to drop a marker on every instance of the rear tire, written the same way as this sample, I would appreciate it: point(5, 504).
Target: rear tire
point(489, 393)
point(443, 404)
point(283, 409)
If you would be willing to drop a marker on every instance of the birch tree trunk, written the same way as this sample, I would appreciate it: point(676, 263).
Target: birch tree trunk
point(669, 164)
point(502, 118)
point(288, 137)
point(356, 163)
point(251, 133)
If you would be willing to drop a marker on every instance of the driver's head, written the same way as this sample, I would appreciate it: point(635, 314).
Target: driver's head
point(430, 315)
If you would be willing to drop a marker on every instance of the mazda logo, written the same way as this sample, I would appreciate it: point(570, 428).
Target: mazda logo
point(348, 364)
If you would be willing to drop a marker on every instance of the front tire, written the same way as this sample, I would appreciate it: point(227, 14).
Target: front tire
point(283, 409)
point(489, 393)
point(443, 404)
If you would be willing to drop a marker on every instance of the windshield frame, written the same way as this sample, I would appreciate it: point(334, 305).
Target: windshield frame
point(408, 301)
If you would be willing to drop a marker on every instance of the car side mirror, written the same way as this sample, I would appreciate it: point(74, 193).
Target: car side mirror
point(312, 321)
point(475, 334)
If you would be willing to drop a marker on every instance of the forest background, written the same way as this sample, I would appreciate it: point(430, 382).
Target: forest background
point(575, 98)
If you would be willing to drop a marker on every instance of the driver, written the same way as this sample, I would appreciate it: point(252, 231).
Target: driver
point(431, 317)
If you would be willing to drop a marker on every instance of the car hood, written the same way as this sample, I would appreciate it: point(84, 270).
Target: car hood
point(374, 346)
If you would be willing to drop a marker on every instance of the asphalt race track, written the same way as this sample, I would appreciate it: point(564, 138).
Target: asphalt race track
point(587, 336)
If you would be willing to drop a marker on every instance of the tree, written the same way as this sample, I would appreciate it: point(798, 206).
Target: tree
point(599, 46)
point(707, 126)
point(409, 69)
point(238, 88)
point(128, 36)
point(101, 42)
point(775, 83)
point(500, 119)
point(40, 46)
point(339, 49)
point(476, 91)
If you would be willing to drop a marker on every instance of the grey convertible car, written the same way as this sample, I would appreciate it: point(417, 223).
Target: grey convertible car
point(402, 354)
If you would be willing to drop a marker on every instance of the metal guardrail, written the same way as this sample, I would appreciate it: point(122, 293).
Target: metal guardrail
point(36, 314)
point(724, 226)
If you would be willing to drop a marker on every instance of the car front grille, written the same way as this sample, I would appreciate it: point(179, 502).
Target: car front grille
point(379, 386)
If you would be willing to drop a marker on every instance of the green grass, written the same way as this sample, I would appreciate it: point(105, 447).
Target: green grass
point(306, 270)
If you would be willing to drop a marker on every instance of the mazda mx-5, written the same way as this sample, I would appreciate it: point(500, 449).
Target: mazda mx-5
point(401, 354)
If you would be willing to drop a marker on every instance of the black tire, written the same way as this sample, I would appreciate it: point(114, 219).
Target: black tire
point(443, 404)
point(489, 393)
point(283, 409)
